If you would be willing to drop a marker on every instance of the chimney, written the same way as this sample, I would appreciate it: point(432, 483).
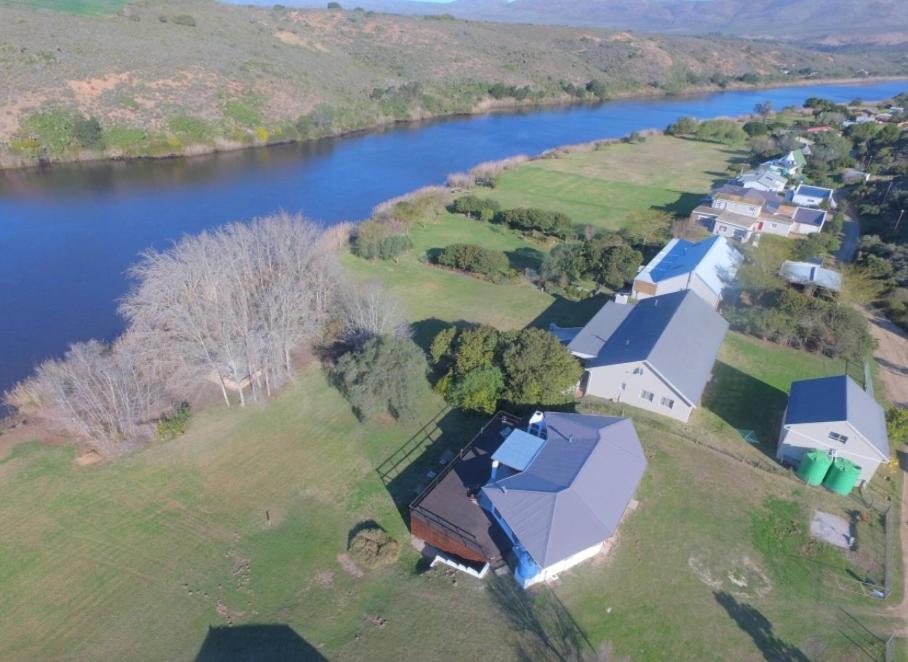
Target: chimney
point(495, 465)
point(571, 438)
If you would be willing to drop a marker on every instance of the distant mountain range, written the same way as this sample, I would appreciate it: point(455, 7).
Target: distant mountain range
point(827, 22)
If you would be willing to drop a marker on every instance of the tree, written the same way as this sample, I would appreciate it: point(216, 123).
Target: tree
point(105, 394)
point(538, 368)
point(755, 129)
point(369, 311)
point(234, 304)
point(763, 109)
point(476, 348)
point(619, 266)
point(565, 264)
point(474, 259)
point(387, 375)
point(88, 133)
point(685, 126)
point(479, 390)
point(473, 206)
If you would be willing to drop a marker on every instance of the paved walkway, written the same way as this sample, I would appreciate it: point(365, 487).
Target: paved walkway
point(851, 237)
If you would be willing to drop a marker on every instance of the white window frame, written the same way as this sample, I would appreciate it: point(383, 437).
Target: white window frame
point(649, 396)
point(668, 402)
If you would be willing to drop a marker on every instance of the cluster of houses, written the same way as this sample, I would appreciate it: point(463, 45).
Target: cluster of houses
point(760, 201)
point(538, 496)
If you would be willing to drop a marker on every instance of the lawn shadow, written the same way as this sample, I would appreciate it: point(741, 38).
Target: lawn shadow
point(683, 206)
point(568, 313)
point(410, 468)
point(746, 403)
point(548, 629)
point(754, 623)
point(248, 643)
point(424, 331)
point(525, 257)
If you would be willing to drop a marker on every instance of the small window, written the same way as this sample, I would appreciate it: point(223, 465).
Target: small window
point(668, 402)
point(647, 395)
point(835, 436)
point(638, 371)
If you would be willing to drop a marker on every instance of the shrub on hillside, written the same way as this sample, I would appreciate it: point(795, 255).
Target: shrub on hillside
point(474, 259)
point(174, 424)
point(387, 375)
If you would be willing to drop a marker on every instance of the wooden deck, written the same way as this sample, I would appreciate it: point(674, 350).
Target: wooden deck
point(447, 515)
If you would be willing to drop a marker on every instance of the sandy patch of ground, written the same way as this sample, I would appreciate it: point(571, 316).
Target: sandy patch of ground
point(741, 577)
point(88, 90)
point(294, 39)
point(349, 566)
point(88, 458)
point(13, 108)
point(892, 356)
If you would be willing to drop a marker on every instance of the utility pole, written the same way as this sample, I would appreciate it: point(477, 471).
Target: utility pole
point(901, 213)
point(886, 194)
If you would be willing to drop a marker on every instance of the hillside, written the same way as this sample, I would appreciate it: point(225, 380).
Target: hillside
point(162, 77)
point(825, 21)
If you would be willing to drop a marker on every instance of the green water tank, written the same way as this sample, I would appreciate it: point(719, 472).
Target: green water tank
point(842, 477)
point(813, 467)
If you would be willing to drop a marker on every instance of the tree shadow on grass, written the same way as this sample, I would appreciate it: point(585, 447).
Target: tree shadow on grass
point(683, 206)
point(525, 257)
point(760, 629)
point(746, 403)
point(548, 630)
point(567, 313)
point(424, 331)
point(251, 643)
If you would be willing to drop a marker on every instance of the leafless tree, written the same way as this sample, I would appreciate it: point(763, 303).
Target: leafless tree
point(368, 310)
point(233, 304)
point(104, 394)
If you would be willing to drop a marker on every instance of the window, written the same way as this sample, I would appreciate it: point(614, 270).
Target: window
point(835, 436)
point(668, 402)
point(638, 371)
point(647, 395)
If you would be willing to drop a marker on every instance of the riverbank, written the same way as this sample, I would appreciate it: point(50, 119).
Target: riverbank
point(13, 162)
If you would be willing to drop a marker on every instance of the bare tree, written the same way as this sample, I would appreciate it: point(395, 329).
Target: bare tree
point(104, 394)
point(368, 311)
point(233, 304)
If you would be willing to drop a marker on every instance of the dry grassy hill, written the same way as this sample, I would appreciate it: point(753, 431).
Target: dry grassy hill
point(169, 77)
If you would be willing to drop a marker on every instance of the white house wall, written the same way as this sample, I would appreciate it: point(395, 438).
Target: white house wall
point(779, 229)
point(704, 291)
point(555, 569)
point(619, 383)
point(797, 439)
point(743, 208)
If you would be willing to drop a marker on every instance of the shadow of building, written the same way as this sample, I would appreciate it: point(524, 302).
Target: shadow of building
point(256, 643)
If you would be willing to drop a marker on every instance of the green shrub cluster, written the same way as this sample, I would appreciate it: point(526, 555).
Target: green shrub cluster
point(475, 259)
point(375, 239)
point(606, 259)
point(554, 223)
point(482, 209)
point(726, 132)
point(175, 423)
point(479, 368)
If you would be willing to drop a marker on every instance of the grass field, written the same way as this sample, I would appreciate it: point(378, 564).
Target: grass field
point(243, 521)
point(621, 185)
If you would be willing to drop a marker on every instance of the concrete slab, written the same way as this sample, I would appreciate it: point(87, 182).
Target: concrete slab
point(832, 529)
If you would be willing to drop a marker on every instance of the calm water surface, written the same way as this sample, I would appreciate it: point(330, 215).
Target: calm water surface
point(67, 234)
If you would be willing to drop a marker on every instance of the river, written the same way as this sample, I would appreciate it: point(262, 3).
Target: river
point(68, 233)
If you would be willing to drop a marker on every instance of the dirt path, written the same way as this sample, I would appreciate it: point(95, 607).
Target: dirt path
point(892, 356)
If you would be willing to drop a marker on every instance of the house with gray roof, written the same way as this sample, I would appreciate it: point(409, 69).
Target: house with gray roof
point(835, 415)
point(807, 274)
point(763, 179)
point(706, 267)
point(813, 196)
point(657, 354)
point(559, 494)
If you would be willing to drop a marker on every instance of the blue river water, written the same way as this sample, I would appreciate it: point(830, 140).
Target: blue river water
point(68, 233)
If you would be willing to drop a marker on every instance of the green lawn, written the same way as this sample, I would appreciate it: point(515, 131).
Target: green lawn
point(620, 185)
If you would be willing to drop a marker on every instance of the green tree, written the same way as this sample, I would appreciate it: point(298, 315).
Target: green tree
point(619, 266)
point(479, 390)
point(476, 348)
point(387, 375)
point(897, 424)
point(88, 133)
point(685, 126)
point(538, 368)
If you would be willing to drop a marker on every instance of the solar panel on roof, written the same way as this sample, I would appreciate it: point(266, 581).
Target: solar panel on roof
point(519, 450)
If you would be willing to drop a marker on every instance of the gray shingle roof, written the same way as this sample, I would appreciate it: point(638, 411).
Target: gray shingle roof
point(839, 399)
point(592, 337)
point(577, 488)
point(677, 334)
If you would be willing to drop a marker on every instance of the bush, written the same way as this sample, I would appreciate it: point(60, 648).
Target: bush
point(474, 259)
point(184, 19)
point(88, 133)
point(387, 375)
point(552, 223)
point(175, 423)
point(482, 209)
point(377, 240)
point(373, 547)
